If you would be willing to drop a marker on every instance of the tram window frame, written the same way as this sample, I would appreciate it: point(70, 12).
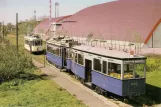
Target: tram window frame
point(80, 59)
point(104, 67)
point(97, 65)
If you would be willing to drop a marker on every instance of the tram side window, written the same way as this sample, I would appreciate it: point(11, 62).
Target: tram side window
point(76, 57)
point(31, 43)
point(41, 42)
point(80, 59)
point(26, 42)
point(114, 70)
point(139, 70)
point(49, 49)
point(73, 56)
point(69, 54)
point(57, 51)
point(60, 50)
point(97, 65)
point(104, 67)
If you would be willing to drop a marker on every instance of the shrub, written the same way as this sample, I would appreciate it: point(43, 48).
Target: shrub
point(153, 63)
point(13, 62)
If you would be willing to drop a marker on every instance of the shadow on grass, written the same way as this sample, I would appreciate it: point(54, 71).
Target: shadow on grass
point(151, 97)
point(154, 93)
point(30, 76)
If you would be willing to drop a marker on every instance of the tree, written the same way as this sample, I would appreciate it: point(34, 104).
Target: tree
point(9, 27)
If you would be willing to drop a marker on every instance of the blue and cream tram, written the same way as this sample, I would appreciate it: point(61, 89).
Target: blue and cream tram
point(58, 52)
point(104, 70)
point(109, 70)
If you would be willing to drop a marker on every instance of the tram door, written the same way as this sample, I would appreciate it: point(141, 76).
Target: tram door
point(64, 57)
point(88, 70)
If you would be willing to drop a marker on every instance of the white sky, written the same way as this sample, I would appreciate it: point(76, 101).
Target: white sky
point(25, 8)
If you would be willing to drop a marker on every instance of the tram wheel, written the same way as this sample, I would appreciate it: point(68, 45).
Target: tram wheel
point(82, 81)
point(97, 89)
point(93, 86)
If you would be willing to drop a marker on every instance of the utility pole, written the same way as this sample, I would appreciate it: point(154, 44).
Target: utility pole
point(17, 30)
point(2, 30)
point(50, 12)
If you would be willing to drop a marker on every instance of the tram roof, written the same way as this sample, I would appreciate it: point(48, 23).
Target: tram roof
point(32, 38)
point(108, 53)
point(57, 42)
point(61, 41)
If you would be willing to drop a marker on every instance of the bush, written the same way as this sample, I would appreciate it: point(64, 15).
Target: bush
point(13, 62)
point(153, 63)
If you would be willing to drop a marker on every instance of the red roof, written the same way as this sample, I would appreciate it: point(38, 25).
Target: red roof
point(43, 27)
point(119, 20)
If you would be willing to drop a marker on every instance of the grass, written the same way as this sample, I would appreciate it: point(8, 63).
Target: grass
point(154, 73)
point(37, 91)
point(40, 92)
point(154, 78)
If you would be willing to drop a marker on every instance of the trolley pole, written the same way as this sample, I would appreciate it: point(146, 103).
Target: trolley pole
point(17, 30)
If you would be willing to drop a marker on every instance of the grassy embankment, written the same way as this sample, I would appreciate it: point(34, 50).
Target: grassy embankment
point(25, 86)
point(38, 92)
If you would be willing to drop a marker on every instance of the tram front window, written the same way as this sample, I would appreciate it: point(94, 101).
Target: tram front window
point(30, 43)
point(38, 42)
point(139, 70)
point(128, 71)
point(134, 69)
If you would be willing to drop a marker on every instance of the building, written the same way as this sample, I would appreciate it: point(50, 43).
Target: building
point(130, 24)
point(43, 28)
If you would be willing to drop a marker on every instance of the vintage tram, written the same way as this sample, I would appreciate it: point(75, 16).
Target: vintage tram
point(102, 69)
point(33, 43)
